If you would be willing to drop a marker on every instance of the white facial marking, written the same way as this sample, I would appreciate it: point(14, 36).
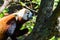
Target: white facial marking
point(27, 15)
point(24, 14)
point(21, 12)
point(30, 15)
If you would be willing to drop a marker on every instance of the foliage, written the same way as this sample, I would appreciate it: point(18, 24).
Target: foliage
point(4, 11)
point(30, 24)
point(55, 4)
point(36, 1)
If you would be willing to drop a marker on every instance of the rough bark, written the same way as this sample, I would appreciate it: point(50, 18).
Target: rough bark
point(45, 24)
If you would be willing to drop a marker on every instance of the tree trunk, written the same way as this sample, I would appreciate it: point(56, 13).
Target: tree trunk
point(45, 24)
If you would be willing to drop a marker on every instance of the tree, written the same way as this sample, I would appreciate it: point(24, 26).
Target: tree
point(45, 24)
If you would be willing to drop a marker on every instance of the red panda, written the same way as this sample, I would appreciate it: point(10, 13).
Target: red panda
point(23, 16)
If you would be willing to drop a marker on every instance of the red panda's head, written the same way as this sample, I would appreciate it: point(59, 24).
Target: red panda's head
point(24, 14)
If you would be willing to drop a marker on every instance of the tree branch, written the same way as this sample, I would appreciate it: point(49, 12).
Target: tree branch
point(5, 4)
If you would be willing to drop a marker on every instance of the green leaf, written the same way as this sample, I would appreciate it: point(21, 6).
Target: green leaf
point(1, 15)
point(53, 38)
point(5, 10)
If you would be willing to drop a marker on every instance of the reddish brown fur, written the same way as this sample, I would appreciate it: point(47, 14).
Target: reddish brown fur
point(3, 24)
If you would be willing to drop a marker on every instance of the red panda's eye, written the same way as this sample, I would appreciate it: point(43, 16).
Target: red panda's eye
point(27, 13)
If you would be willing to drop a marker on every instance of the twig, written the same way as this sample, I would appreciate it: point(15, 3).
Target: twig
point(6, 2)
point(27, 7)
